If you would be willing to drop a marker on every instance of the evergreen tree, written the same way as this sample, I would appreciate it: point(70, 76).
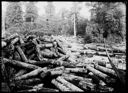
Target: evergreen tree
point(13, 17)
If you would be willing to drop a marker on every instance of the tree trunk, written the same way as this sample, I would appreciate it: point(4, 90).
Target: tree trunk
point(76, 70)
point(68, 84)
point(87, 85)
point(20, 64)
point(106, 70)
point(60, 86)
point(103, 76)
point(74, 21)
point(31, 81)
point(31, 74)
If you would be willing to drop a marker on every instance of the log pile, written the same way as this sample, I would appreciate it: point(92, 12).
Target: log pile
point(42, 64)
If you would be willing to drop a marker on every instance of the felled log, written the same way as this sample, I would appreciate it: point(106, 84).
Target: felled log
point(31, 81)
point(20, 64)
point(12, 37)
point(14, 41)
point(21, 40)
point(103, 76)
point(40, 90)
point(96, 79)
point(57, 72)
point(48, 55)
point(104, 54)
point(87, 85)
point(42, 46)
point(101, 63)
point(31, 56)
point(61, 51)
point(21, 72)
point(104, 89)
point(118, 49)
point(60, 86)
point(19, 50)
point(102, 49)
point(3, 44)
point(74, 78)
point(31, 74)
point(76, 70)
point(60, 47)
point(68, 84)
point(92, 47)
point(34, 88)
point(106, 70)
point(43, 62)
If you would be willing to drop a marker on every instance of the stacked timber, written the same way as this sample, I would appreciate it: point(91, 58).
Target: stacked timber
point(42, 64)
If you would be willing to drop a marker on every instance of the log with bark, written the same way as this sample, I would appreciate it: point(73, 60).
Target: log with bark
point(20, 64)
point(76, 70)
point(103, 76)
point(100, 62)
point(106, 70)
point(68, 84)
point(60, 86)
point(31, 74)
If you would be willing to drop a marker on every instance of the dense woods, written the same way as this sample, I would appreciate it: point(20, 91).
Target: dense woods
point(106, 18)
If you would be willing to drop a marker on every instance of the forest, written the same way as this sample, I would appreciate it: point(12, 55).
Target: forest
point(105, 18)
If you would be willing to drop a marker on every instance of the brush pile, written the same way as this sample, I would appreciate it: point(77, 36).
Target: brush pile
point(44, 64)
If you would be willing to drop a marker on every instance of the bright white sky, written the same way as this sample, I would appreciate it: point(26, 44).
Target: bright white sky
point(84, 12)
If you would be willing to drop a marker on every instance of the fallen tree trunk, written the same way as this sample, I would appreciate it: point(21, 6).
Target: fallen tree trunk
point(104, 89)
point(96, 79)
point(76, 70)
point(68, 84)
point(87, 85)
point(118, 49)
point(14, 41)
point(20, 64)
point(102, 49)
point(31, 74)
point(42, 46)
point(103, 76)
point(106, 70)
point(101, 63)
point(60, 86)
point(21, 72)
point(35, 88)
point(104, 54)
point(12, 37)
point(31, 81)
point(74, 78)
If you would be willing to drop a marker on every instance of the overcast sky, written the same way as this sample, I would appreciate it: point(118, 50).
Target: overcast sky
point(84, 12)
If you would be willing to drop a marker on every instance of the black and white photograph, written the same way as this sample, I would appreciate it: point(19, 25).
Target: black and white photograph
point(63, 46)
